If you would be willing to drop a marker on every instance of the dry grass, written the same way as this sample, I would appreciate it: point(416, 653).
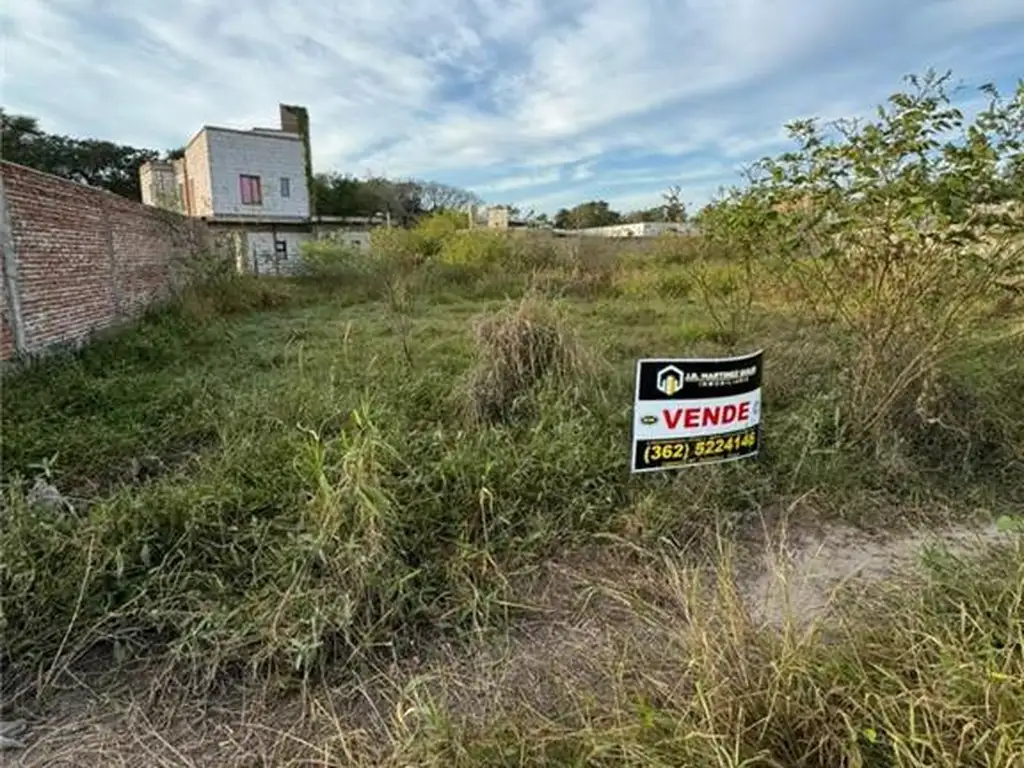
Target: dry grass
point(637, 657)
point(518, 349)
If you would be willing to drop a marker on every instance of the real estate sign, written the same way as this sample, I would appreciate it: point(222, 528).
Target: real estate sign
point(696, 411)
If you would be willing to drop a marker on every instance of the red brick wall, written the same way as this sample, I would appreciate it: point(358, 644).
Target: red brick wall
point(86, 259)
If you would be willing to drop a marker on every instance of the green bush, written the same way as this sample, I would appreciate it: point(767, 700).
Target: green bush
point(477, 248)
point(675, 248)
point(435, 230)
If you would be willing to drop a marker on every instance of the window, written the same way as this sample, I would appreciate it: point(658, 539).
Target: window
point(286, 187)
point(281, 248)
point(252, 192)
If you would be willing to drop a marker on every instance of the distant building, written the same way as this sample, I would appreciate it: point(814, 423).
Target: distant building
point(160, 186)
point(500, 217)
point(251, 184)
point(635, 229)
point(227, 173)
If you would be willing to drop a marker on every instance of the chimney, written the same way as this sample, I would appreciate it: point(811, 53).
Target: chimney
point(289, 120)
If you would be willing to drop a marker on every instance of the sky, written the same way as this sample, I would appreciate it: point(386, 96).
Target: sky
point(536, 103)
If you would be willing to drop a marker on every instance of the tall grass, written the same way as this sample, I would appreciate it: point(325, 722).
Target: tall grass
point(277, 480)
point(721, 689)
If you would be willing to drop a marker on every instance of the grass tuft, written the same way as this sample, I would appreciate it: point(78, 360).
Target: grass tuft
point(518, 349)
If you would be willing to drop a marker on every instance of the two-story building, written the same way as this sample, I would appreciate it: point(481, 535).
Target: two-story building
point(251, 184)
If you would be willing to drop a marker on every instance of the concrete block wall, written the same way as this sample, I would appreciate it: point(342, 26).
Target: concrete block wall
point(159, 185)
point(263, 258)
point(269, 156)
point(78, 259)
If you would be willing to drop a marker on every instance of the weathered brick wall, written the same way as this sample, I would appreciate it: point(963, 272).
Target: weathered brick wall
point(84, 259)
point(6, 334)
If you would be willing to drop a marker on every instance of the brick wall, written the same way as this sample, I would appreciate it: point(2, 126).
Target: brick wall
point(83, 259)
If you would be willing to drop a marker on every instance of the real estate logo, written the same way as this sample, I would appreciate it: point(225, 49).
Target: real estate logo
point(669, 380)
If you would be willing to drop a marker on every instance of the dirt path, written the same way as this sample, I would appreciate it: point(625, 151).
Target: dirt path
point(799, 574)
point(605, 624)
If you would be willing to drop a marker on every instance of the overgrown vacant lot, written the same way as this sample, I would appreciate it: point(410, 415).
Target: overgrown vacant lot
point(382, 516)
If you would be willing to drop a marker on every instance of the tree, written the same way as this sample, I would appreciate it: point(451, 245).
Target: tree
point(336, 194)
point(104, 164)
point(435, 197)
point(656, 213)
point(401, 199)
point(674, 209)
point(880, 227)
point(534, 219)
point(21, 139)
point(595, 213)
point(405, 200)
point(919, 154)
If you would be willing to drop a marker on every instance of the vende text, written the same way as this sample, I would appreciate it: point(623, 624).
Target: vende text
point(713, 415)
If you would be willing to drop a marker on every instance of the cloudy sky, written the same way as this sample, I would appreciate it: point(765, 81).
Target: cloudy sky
point(541, 104)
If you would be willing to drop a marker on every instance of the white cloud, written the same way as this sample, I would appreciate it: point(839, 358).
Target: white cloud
point(525, 181)
point(548, 102)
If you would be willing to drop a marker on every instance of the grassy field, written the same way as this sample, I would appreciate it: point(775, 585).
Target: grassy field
point(325, 489)
point(382, 515)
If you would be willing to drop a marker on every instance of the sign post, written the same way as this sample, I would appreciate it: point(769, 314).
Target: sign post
point(696, 411)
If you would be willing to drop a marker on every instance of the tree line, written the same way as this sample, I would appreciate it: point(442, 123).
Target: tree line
point(404, 200)
point(598, 213)
point(104, 164)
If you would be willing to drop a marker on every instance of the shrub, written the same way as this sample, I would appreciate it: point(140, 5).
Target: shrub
point(434, 230)
point(859, 229)
point(476, 248)
point(209, 286)
point(674, 283)
point(529, 252)
point(333, 262)
point(397, 250)
point(587, 267)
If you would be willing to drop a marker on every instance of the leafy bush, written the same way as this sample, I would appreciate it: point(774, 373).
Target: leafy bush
point(333, 261)
point(675, 248)
point(209, 285)
point(476, 248)
point(860, 228)
point(399, 250)
point(435, 230)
